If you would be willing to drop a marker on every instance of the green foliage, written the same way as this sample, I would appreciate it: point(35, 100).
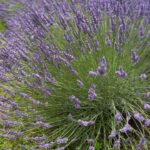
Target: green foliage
point(2, 26)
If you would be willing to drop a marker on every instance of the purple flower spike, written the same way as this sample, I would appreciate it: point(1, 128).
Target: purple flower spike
point(147, 95)
point(112, 135)
point(141, 31)
point(116, 47)
point(138, 117)
point(45, 145)
point(118, 117)
point(142, 141)
point(24, 95)
point(117, 144)
point(121, 73)
point(4, 117)
point(75, 101)
point(126, 128)
point(147, 122)
point(80, 83)
point(91, 148)
point(8, 136)
point(69, 57)
point(60, 140)
point(108, 41)
point(10, 124)
point(42, 124)
point(146, 106)
point(92, 93)
point(135, 58)
point(143, 76)
point(93, 73)
point(37, 138)
point(67, 38)
point(101, 70)
point(138, 147)
point(60, 148)
point(141, 144)
point(112, 23)
point(120, 34)
point(19, 113)
point(90, 141)
point(85, 123)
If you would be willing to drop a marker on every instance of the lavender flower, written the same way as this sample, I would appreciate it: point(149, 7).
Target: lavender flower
point(24, 95)
point(90, 141)
point(120, 34)
point(37, 138)
point(112, 23)
point(35, 102)
point(138, 147)
point(93, 73)
point(121, 73)
point(60, 140)
point(75, 101)
point(146, 106)
point(19, 113)
point(112, 135)
point(60, 148)
point(142, 141)
point(85, 123)
point(135, 58)
point(147, 95)
point(116, 47)
point(141, 31)
point(118, 117)
point(108, 41)
point(10, 124)
point(141, 144)
point(42, 124)
point(147, 122)
point(101, 70)
point(2, 104)
point(8, 136)
point(4, 117)
point(91, 148)
point(117, 144)
point(80, 83)
point(143, 76)
point(138, 117)
point(3, 99)
point(70, 57)
point(45, 145)
point(92, 93)
point(126, 128)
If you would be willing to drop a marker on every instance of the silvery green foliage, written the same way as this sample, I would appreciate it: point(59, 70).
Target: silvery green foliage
point(78, 76)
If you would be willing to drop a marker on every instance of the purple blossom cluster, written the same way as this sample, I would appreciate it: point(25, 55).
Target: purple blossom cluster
point(84, 123)
point(75, 101)
point(118, 117)
point(92, 93)
point(102, 66)
point(121, 73)
point(135, 58)
point(60, 140)
point(42, 124)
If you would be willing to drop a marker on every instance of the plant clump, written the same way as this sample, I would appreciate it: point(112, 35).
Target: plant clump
point(77, 76)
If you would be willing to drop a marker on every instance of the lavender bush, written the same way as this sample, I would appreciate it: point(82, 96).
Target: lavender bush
point(75, 75)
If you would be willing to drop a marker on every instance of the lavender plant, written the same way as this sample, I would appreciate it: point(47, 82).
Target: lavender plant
point(79, 78)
